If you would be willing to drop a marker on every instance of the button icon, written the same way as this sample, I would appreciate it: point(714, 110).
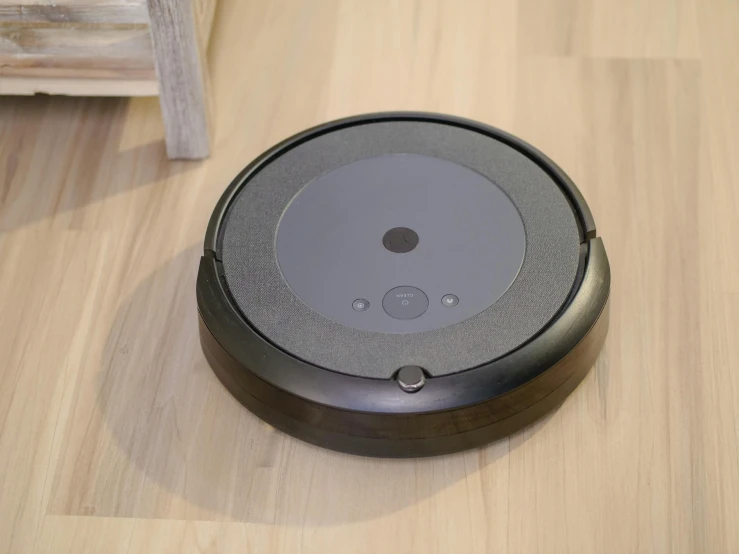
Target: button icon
point(360, 304)
point(449, 300)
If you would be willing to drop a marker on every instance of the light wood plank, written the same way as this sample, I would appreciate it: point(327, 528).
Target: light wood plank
point(72, 3)
point(85, 535)
point(78, 87)
point(205, 11)
point(73, 12)
point(33, 380)
point(599, 28)
point(70, 52)
point(76, 47)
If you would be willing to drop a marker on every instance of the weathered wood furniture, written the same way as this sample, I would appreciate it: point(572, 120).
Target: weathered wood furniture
point(114, 48)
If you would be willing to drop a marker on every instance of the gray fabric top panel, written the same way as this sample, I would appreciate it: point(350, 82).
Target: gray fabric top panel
point(263, 295)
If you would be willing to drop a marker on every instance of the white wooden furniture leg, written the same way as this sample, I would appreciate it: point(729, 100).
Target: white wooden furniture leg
point(179, 55)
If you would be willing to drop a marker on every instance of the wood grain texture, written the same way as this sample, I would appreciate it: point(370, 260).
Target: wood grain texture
point(599, 28)
point(205, 11)
point(93, 39)
point(115, 436)
point(40, 13)
point(71, 52)
point(184, 84)
point(104, 47)
point(74, 86)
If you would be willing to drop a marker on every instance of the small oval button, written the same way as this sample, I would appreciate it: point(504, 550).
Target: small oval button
point(360, 304)
point(449, 300)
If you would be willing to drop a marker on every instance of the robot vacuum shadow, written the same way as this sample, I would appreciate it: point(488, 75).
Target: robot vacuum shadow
point(173, 443)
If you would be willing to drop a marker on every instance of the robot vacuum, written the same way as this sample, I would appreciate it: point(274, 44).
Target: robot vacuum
point(402, 284)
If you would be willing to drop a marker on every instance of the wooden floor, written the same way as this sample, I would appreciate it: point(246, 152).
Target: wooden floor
point(115, 437)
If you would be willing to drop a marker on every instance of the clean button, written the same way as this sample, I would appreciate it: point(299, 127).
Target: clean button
point(405, 303)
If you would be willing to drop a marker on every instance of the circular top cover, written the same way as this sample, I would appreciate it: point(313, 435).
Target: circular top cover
point(461, 234)
point(399, 243)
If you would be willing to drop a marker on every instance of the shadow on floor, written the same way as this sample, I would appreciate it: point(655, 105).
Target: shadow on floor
point(197, 453)
point(61, 154)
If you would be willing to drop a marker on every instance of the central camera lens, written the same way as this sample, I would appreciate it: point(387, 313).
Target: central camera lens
point(400, 240)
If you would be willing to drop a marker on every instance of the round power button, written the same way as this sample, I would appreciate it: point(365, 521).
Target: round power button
point(405, 303)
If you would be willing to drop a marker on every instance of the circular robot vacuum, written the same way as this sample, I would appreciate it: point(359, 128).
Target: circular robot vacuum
point(402, 284)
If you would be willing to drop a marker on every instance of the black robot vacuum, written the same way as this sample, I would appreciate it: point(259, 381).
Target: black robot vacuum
point(402, 284)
